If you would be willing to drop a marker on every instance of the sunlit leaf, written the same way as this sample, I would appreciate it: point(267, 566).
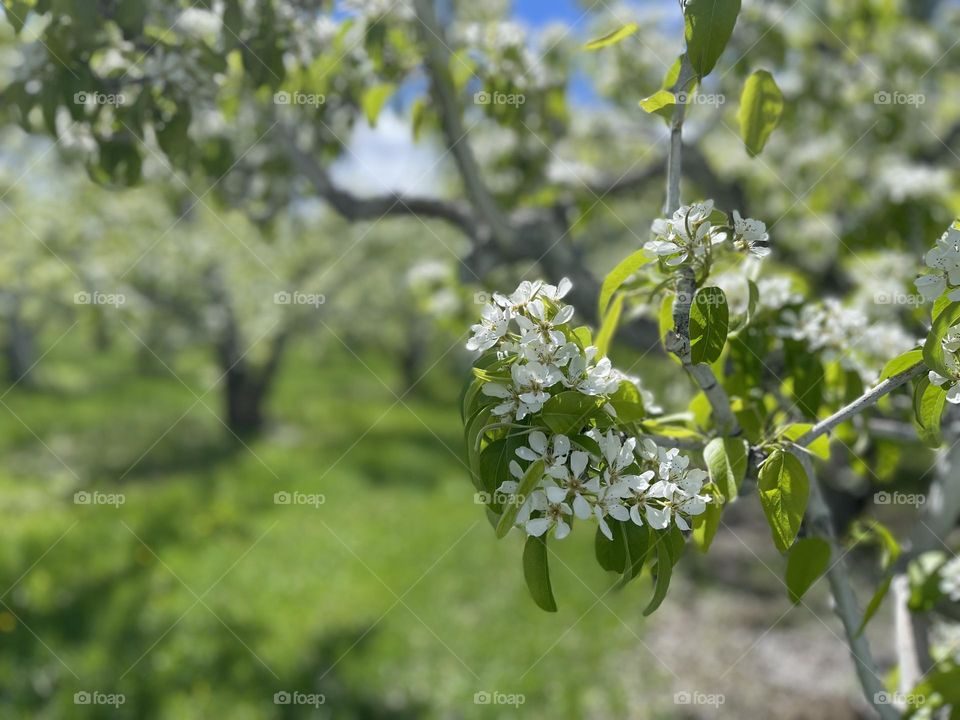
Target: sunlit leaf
point(808, 560)
point(536, 571)
point(612, 38)
point(761, 106)
point(784, 490)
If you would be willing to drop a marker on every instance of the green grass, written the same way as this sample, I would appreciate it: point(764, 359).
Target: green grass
point(393, 598)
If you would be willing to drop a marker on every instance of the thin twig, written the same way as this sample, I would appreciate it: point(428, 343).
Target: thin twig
point(678, 341)
point(437, 61)
point(821, 525)
point(861, 403)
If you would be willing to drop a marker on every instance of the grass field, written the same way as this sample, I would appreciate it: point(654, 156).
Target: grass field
point(199, 596)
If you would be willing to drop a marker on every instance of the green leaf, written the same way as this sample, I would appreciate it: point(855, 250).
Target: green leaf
point(923, 572)
point(568, 411)
point(494, 468)
point(929, 401)
point(726, 460)
point(663, 105)
point(472, 398)
point(670, 430)
point(536, 571)
point(373, 100)
point(902, 362)
point(527, 484)
point(583, 336)
point(462, 69)
point(612, 38)
point(874, 603)
point(761, 105)
point(611, 554)
point(418, 115)
point(819, 447)
point(808, 560)
point(665, 320)
point(609, 325)
point(808, 378)
point(753, 292)
point(638, 546)
point(628, 403)
point(705, 524)
point(130, 15)
point(784, 490)
point(15, 12)
point(663, 572)
point(636, 543)
point(933, 347)
point(618, 276)
point(708, 25)
point(709, 322)
point(473, 433)
point(659, 100)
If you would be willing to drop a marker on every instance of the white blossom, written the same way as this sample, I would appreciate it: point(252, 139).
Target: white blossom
point(950, 579)
point(615, 481)
point(493, 325)
point(574, 484)
point(748, 235)
point(944, 259)
point(552, 453)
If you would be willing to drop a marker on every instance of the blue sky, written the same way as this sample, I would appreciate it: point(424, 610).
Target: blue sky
point(541, 12)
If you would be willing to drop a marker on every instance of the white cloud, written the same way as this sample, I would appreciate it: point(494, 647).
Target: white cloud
point(385, 159)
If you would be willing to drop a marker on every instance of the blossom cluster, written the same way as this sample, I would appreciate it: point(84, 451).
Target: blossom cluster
point(774, 292)
point(590, 474)
point(951, 356)
point(845, 334)
point(944, 259)
point(950, 579)
point(690, 235)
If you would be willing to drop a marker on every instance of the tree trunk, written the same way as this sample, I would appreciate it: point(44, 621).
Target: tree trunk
point(19, 349)
point(244, 398)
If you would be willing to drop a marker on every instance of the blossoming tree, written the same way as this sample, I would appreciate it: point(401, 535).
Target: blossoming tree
point(253, 100)
point(557, 437)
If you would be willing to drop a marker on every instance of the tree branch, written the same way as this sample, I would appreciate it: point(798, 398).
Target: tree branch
point(937, 519)
point(437, 59)
point(845, 602)
point(675, 157)
point(861, 403)
point(353, 207)
point(910, 636)
point(678, 341)
point(630, 182)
